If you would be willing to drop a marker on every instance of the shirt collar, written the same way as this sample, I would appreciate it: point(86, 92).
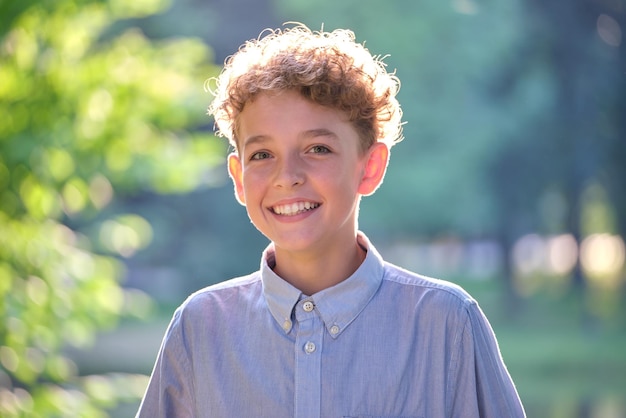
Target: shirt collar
point(281, 296)
point(339, 305)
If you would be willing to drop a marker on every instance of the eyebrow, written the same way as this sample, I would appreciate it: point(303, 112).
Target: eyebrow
point(313, 133)
point(254, 139)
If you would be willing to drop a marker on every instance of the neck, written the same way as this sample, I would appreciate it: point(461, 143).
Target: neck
point(312, 272)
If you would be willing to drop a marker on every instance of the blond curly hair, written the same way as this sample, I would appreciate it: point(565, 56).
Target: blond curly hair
point(328, 68)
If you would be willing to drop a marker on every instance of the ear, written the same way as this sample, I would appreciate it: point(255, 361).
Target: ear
point(375, 168)
point(236, 174)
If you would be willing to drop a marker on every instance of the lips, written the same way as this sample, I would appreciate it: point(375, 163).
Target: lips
point(293, 209)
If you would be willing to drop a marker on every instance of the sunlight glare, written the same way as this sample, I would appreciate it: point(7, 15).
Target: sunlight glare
point(602, 258)
point(609, 30)
point(528, 254)
point(562, 254)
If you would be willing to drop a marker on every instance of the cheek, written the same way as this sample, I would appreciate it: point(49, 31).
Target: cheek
point(344, 182)
point(253, 181)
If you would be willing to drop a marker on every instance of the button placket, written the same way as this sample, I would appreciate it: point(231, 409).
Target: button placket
point(308, 350)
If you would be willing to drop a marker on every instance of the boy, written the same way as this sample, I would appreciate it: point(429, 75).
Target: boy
point(325, 328)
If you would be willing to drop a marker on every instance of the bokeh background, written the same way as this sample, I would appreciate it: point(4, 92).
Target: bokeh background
point(115, 204)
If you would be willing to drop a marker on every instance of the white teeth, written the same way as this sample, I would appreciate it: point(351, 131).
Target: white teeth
point(294, 208)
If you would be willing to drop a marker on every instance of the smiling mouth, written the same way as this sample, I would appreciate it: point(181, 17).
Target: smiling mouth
point(294, 208)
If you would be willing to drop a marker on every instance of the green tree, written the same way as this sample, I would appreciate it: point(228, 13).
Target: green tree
point(85, 112)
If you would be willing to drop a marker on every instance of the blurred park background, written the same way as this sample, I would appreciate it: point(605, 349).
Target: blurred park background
point(115, 204)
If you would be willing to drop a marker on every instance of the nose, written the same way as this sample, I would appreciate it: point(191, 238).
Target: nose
point(290, 172)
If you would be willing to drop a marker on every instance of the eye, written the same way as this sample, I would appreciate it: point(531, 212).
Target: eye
point(260, 155)
point(319, 149)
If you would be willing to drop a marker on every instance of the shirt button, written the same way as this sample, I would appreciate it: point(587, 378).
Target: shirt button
point(309, 347)
point(308, 306)
point(287, 325)
point(334, 330)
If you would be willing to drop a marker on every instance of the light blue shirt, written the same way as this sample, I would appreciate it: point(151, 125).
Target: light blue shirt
point(383, 343)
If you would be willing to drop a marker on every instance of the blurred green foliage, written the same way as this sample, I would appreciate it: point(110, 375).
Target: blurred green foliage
point(85, 113)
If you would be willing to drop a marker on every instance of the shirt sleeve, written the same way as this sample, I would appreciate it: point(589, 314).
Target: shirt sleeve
point(170, 390)
point(481, 383)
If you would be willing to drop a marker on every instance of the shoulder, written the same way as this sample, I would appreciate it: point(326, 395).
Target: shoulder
point(425, 288)
point(436, 304)
point(214, 310)
point(234, 284)
point(226, 295)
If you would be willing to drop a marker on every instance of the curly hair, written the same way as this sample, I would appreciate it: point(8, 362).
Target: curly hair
point(328, 68)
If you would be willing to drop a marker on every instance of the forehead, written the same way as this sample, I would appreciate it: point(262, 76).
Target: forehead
point(289, 114)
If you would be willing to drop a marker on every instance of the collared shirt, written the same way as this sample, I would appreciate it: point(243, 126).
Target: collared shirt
point(385, 342)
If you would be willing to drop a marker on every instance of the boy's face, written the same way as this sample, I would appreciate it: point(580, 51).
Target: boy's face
point(300, 172)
